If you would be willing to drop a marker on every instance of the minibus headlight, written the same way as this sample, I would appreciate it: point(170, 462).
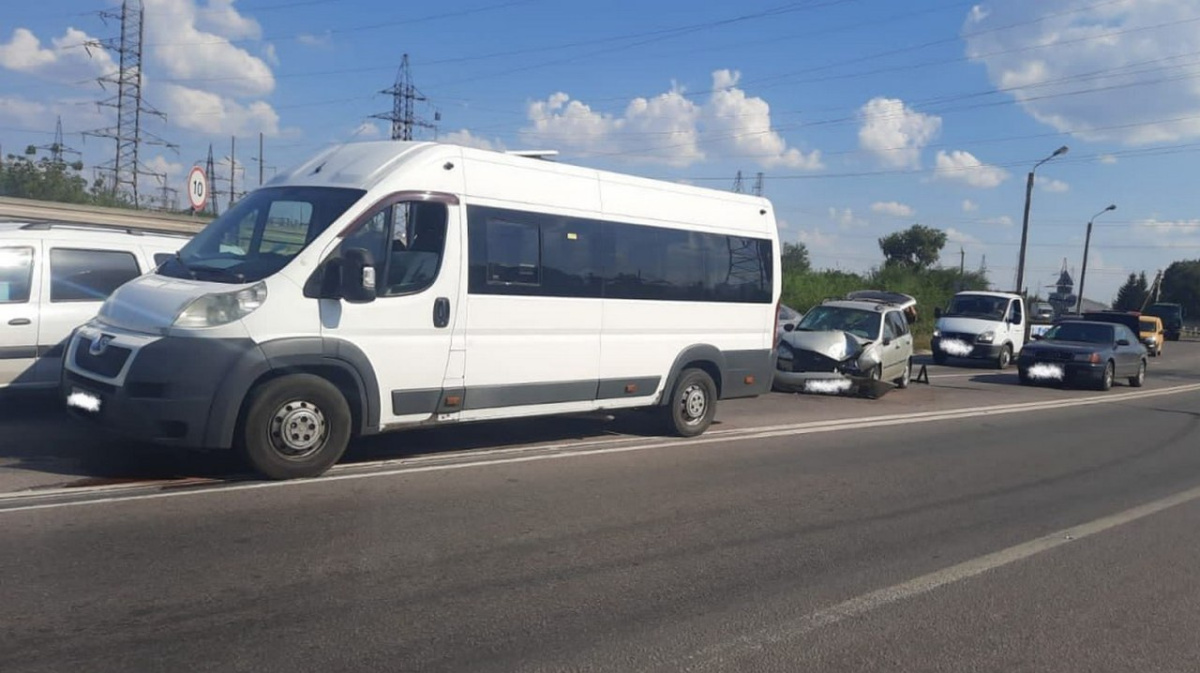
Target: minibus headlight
point(222, 308)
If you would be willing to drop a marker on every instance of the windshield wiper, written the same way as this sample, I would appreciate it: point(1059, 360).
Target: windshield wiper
point(188, 269)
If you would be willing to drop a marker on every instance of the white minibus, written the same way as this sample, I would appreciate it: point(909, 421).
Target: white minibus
point(384, 285)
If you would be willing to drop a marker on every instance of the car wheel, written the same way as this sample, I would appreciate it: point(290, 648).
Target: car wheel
point(1106, 381)
point(1004, 358)
point(295, 427)
point(904, 380)
point(1137, 381)
point(693, 404)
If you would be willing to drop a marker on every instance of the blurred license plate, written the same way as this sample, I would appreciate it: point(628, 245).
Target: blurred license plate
point(82, 399)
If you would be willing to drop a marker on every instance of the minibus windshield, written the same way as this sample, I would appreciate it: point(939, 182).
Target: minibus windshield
point(260, 234)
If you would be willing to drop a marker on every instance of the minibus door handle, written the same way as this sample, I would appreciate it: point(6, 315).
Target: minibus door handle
point(441, 312)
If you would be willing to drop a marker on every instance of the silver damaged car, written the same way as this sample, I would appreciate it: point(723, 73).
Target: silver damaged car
point(862, 344)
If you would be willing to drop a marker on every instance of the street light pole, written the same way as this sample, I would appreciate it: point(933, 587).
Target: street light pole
point(1086, 243)
point(1025, 226)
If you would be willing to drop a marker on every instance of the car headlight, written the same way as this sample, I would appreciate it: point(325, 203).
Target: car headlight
point(986, 337)
point(222, 308)
point(937, 332)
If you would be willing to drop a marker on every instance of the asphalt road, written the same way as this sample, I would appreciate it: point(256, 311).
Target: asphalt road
point(991, 537)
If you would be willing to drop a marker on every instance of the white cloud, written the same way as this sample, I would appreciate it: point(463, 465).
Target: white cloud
point(669, 128)
point(893, 208)
point(816, 239)
point(30, 114)
point(969, 206)
point(221, 18)
point(1002, 221)
point(1052, 185)
point(896, 133)
point(782, 224)
point(742, 126)
point(367, 129)
point(962, 238)
point(323, 41)
point(1073, 64)
point(269, 53)
point(978, 13)
point(467, 139)
point(1108, 159)
point(845, 218)
point(65, 61)
point(964, 167)
point(1165, 228)
point(208, 112)
point(190, 47)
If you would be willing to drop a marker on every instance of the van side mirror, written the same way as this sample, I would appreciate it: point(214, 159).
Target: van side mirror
point(937, 312)
point(788, 327)
point(358, 276)
point(1122, 342)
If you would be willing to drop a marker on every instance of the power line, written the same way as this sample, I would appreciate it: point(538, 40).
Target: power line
point(404, 94)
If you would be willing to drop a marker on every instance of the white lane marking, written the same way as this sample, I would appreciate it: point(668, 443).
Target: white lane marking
point(874, 600)
point(747, 435)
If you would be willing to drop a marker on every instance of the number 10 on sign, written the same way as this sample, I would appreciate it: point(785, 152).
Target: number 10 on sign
point(197, 190)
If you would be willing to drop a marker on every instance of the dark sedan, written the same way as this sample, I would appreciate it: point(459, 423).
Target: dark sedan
point(1084, 352)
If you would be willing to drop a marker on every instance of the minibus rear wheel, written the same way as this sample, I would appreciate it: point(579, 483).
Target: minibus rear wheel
point(693, 403)
point(295, 427)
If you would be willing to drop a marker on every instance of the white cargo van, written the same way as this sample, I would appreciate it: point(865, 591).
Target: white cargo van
point(383, 285)
point(981, 325)
point(53, 278)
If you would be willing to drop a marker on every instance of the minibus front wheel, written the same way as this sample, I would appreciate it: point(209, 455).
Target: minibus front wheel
point(295, 427)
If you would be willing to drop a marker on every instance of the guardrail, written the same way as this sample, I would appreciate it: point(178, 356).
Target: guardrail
point(30, 210)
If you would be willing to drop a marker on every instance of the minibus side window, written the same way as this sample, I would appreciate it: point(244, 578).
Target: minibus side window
point(407, 240)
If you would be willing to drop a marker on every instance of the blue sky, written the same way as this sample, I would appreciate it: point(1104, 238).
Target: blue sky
point(864, 116)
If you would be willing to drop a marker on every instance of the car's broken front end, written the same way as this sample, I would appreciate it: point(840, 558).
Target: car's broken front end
point(828, 362)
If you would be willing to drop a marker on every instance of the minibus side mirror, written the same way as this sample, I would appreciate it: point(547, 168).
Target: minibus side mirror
point(358, 276)
point(937, 311)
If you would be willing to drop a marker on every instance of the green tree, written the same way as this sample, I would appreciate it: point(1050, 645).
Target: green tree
point(795, 258)
point(1132, 294)
point(1181, 285)
point(917, 247)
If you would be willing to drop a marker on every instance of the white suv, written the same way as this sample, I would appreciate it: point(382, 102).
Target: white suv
point(53, 277)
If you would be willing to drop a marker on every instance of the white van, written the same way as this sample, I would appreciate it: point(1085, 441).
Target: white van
point(981, 325)
point(383, 285)
point(53, 278)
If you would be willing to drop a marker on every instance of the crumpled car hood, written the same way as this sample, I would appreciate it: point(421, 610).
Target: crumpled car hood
point(831, 343)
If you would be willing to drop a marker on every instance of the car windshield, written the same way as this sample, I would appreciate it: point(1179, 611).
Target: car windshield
point(977, 305)
point(1081, 332)
point(1148, 326)
point(260, 234)
point(856, 321)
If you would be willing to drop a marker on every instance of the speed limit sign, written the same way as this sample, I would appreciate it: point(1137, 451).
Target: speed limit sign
point(197, 188)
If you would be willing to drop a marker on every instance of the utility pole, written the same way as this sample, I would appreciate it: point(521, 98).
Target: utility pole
point(211, 174)
point(404, 94)
point(962, 261)
point(232, 164)
point(260, 158)
point(129, 135)
point(1025, 226)
point(1086, 243)
point(737, 183)
point(758, 184)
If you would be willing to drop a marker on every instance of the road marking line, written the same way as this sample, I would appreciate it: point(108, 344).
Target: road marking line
point(874, 600)
point(769, 432)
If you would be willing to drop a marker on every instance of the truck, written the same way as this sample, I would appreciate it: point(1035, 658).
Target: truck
point(385, 285)
point(1172, 316)
point(980, 325)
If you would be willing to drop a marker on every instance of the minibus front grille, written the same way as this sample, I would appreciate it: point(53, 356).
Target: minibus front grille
point(107, 363)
